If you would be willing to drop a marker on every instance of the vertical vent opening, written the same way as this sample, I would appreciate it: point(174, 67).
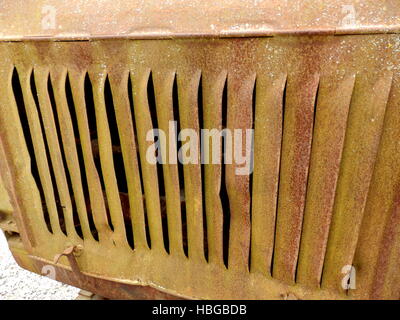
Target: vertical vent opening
point(203, 186)
point(175, 98)
point(82, 169)
point(116, 144)
point(77, 223)
point(161, 188)
point(279, 174)
point(224, 192)
point(60, 209)
point(253, 117)
point(17, 90)
point(130, 96)
point(308, 175)
point(119, 167)
point(91, 115)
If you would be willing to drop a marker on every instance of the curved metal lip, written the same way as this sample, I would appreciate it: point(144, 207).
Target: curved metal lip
point(155, 19)
point(241, 34)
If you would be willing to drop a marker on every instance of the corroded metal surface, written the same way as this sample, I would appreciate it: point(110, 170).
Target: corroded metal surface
point(80, 19)
point(323, 195)
point(296, 151)
point(5, 206)
point(102, 286)
point(329, 132)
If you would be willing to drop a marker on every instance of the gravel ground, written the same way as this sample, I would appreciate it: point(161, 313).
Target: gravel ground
point(17, 283)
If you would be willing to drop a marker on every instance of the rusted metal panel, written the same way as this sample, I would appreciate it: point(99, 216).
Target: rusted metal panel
point(80, 19)
point(267, 137)
point(239, 117)
point(386, 282)
point(245, 63)
point(326, 153)
point(296, 149)
point(377, 253)
point(361, 145)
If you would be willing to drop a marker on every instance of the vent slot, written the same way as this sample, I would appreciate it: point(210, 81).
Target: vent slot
point(224, 192)
point(202, 166)
point(239, 122)
point(253, 115)
point(53, 202)
point(118, 163)
point(81, 184)
point(151, 98)
point(19, 99)
point(308, 178)
point(144, 126)
point(279, 142)
point(181, 186)
point(334, 98)
point(189, 154)
point(139, 216)
point(92, 122)
point(296, 150)
point(361, 145)
point(215, 199)
point(82, 95)
point(76, 221)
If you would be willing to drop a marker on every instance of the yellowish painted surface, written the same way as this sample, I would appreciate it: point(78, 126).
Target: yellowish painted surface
point(4, 200)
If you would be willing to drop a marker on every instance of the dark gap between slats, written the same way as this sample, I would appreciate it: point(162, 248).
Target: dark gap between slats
point(91, 116)
point(82, 169)
point(279, 175)
point(130, 95)
point(340, 169)
point(203, 186)
point(60, 210)
point(17, 90)
point(161, 189)
point(77, 223)
point(253, 115)
point(119, 167)
point(224, 192)
point(308, 175)
point(175, 101)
